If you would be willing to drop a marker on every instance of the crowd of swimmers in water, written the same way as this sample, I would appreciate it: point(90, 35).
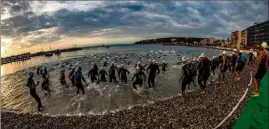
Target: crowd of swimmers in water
point(198, 68)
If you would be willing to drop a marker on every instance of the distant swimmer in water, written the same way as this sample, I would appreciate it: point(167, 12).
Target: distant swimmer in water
point(186, 77)
point(112, 73)
point(203, 72)
point(122, 74)
point(45, 84)
point(78, 81)
point(105, 64)
point(31, 85)
point(72, 76)
point(62, 79)
point(164, 65)
point(138, 76)
point(153, 70)
point(102, 75)
point(93, 73)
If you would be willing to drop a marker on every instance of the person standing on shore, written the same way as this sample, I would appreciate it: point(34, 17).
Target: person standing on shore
point(72, 76)
point(261, 68)
point(203, 71)
point(223, 66)
point(32, 86)
point(78, 81)
point(242, 58)
point(153, 70)
point(251, 57)
point(186, 77)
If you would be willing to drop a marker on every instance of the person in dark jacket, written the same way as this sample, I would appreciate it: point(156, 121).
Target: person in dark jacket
point(203, 71)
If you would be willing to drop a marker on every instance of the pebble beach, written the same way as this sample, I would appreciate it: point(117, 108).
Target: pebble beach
point(193, 111)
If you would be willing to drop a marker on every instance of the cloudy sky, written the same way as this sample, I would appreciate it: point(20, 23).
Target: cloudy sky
point(28, 25)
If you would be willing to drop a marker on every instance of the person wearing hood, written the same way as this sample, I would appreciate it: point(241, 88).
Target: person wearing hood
point(203, 71)
point(186, 77)
point(122, 74)
point(261, 68)
point(251, 57)
point(102, 75)
point(153, 70)
point(242, 58)
point(32, 86)
point(72, 77)
point(223, 66)
point(112, 73)
point(138, 76)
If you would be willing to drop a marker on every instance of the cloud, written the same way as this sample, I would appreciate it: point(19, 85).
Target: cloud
point(32, 20)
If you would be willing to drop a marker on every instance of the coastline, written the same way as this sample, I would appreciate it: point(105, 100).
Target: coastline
point(192, 111)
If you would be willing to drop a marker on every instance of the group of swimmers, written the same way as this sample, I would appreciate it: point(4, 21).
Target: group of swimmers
point(201, 67)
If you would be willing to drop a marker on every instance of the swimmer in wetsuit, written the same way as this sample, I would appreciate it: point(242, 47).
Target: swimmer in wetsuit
point(153, 70)
point(32, 86)
point(186, 77)
point(138, 76)
point(102, 75)
point(122, 74)
point(203, 71)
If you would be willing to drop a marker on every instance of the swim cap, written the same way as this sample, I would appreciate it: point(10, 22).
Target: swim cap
point(183, 59)
point(264, 45)
point(202, 55)
point(224, 52)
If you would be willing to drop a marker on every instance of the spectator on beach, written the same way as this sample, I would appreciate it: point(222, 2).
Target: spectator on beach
point(251, 57)
point(223, 66)
point(32, 86)
point(261, 68)
point(203, 72)
point(242, 58)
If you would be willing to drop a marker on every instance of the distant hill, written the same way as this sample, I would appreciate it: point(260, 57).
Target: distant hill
point(170, 40)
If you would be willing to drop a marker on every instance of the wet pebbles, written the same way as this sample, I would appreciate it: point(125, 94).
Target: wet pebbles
point(194, 111)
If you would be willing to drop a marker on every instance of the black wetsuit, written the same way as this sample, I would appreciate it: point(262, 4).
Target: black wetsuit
point(224, 64)
point(233, 62)
point(102, 75)
point(31, 85)
point(261, 68)
point(219, 61)
point(45, 71)
point(94, 73)
point(105, 64)
point(112, 73)
point(78, 82)
point(122, 74)
point(214, 65)
point(45, 83)
point(138, 79)
point(250, 58)
point(186, 77)
point(62, 79)
point(72, 77)
point(153, 71)
point(164, 65)
point(204, 72)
